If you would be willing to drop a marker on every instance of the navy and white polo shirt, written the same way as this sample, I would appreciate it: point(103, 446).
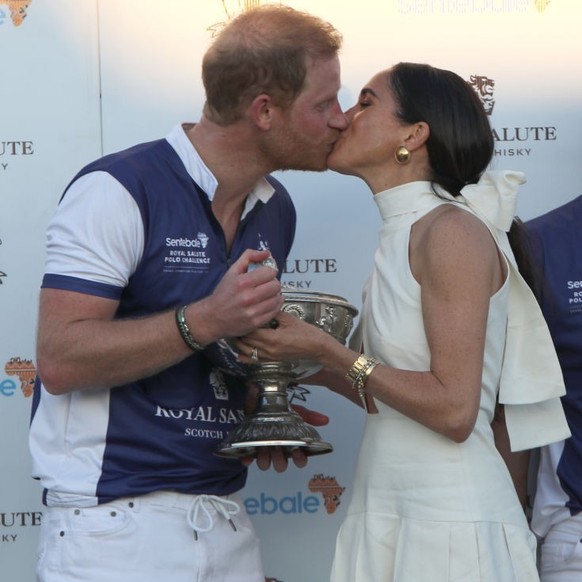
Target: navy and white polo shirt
point(557, 238)
point(137, 227)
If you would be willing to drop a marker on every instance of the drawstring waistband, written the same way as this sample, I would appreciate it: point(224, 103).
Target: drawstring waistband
point(201, 510)
point(224, 507)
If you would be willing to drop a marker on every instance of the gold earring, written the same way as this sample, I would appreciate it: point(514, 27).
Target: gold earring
point(402, 155)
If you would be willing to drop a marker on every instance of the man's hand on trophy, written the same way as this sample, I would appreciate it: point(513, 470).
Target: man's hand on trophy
point(244, 299)
point(311, 417)
point(278, 457)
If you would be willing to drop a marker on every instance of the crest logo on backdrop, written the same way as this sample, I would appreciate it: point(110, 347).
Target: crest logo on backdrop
point(517, 141)
point(484, 87)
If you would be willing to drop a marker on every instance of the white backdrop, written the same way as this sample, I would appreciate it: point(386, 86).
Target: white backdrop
point(84, 77)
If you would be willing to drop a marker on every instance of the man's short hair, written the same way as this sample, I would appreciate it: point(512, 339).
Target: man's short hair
point(263, 50)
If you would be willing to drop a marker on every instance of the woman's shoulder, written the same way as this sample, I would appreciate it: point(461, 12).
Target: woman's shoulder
point(452, 240)
point(452, 226)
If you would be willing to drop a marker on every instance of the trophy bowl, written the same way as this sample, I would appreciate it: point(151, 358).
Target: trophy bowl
point(274, 422)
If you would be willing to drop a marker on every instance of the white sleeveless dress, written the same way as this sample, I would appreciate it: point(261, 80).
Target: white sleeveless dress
point(424, 508)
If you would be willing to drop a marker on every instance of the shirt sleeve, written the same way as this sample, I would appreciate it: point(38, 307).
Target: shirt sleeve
point(96, 235)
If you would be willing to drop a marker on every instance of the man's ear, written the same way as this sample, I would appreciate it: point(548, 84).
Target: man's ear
point(261, 111)
point(419, 133)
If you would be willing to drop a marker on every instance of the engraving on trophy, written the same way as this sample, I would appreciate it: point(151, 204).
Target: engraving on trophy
point(294, 310)
point(327, 321)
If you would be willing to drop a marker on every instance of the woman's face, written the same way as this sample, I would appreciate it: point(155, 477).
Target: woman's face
point(367, 146)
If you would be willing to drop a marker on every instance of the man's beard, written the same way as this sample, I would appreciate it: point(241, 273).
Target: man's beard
point(293, 151)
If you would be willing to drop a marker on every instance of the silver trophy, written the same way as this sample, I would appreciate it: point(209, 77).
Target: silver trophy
point(274, 422)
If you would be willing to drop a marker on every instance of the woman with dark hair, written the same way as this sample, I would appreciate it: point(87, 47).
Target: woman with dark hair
point(449, 333)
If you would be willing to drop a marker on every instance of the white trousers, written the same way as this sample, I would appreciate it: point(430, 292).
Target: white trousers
point(169, 537)
point(561, 552)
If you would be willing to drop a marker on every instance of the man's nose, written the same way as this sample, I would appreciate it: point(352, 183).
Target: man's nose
point(339, 119)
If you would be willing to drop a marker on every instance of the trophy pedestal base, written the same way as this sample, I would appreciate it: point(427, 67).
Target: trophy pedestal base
point(286, 430)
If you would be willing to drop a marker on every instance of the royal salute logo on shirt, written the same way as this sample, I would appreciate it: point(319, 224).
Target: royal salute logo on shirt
point(204, 422)
point(212, 414)
point(17, 11)
point(20, 372)
point(216, 379)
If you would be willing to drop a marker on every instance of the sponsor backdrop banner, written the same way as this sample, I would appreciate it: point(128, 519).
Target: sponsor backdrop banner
point(81, 78)
point(49, 125)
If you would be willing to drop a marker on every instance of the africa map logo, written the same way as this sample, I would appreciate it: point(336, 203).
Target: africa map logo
point(24, 371)
point(17, 9)
point(329, 489)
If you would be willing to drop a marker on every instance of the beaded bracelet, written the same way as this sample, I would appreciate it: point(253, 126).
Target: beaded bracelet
point(185, 330)
point(359, 373)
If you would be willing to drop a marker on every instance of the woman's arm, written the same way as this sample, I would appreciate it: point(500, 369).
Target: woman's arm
point(456, 262)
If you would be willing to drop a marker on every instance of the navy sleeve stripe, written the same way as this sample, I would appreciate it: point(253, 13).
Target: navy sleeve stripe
point(66, 283)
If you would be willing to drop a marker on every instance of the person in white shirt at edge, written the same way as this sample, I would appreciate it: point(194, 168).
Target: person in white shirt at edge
point(557, 507)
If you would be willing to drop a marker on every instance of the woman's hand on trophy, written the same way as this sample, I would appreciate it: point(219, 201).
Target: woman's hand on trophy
point(292, 339)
